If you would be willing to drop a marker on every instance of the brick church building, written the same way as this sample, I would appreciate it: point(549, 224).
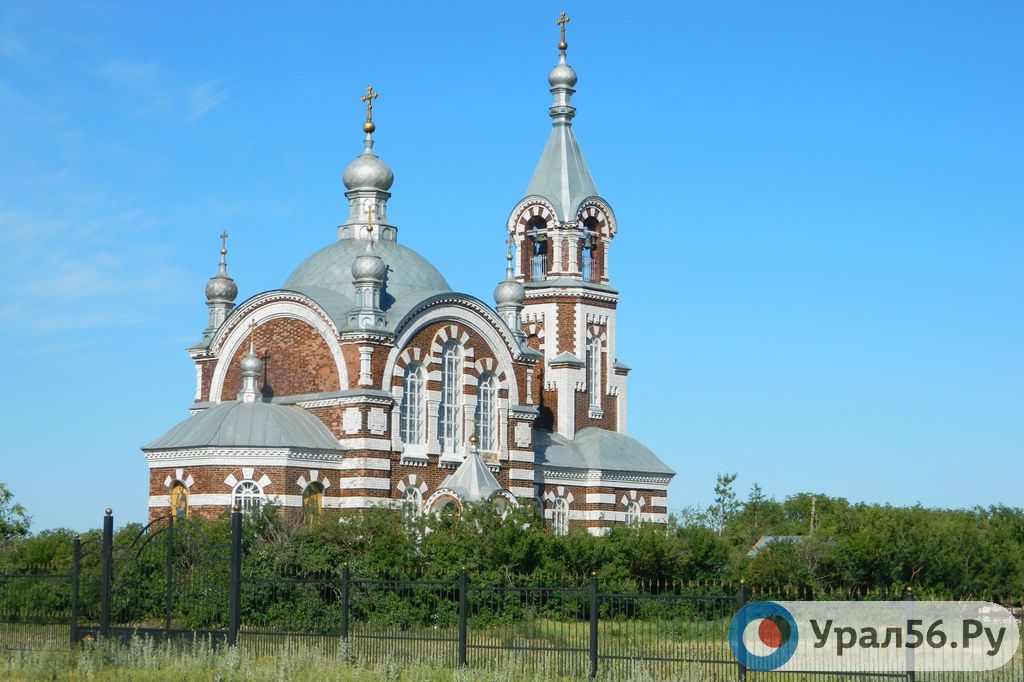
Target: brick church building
point(365, 381)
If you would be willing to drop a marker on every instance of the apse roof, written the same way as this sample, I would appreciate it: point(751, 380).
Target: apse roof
point(595, 448)
point(256, 424)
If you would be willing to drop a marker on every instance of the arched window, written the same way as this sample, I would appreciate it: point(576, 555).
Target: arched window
point(633, 513)
point(449, 411)
point(248, 495)
point(560, 516)
point(312, 503)
point(179, 500)
point(412, 406)
point(487, 413)
point(594, 370)
point(412, 503)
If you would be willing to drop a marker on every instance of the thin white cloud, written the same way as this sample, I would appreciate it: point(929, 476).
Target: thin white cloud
point(61, 273)
point(204, 98)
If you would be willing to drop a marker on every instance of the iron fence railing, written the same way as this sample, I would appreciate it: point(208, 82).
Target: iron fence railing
point(170, 581)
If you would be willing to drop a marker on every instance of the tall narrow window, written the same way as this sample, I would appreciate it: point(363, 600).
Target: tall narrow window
point(412, 406)
point(412, 503)
point(449, 411)
point(248, 495)
point(179, 500)
point(560, 516)
point(594, 371)
point(312, 503)
point(486, 413)
point(633, 513)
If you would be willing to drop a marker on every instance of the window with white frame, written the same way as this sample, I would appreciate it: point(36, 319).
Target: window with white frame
point(633, 513)
point(411, 413)
point(248, 495)
point(594, 370)
point(449, 411)
point(487, 413)
point(560, 516)
point(412, 503)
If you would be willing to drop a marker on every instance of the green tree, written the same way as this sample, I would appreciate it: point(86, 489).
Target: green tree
point(726, 504)
point(14, 522)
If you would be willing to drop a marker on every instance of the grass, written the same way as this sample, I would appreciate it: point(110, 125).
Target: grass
point(147, 661)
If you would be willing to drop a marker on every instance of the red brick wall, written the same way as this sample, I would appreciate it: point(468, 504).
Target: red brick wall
point(296, 360)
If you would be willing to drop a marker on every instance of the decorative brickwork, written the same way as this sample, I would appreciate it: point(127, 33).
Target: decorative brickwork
point(296, 360)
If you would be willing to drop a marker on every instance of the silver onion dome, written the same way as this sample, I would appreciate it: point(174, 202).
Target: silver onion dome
point(251, 364)
point(369, 266)
point(368, 171)
point(563, 75)
point(221, 288)
point(509, 292)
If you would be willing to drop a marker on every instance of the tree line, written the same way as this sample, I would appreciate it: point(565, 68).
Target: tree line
point(825, 545)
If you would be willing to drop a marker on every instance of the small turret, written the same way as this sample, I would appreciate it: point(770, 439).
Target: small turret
point(221, 291)
point(509, 296)
point(367, 181)
point(252, 368)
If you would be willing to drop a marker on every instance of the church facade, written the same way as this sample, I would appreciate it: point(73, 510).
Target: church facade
point(365, 381)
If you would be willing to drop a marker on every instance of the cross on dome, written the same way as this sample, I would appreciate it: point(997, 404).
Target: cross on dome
point(562, 20)
point(368, 98)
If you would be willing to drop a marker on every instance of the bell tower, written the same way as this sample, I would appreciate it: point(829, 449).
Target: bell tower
point(562, 232)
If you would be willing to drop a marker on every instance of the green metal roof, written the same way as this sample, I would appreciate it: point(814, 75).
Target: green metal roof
point(595, 448)
point(561, 175)
point(326, 277)
point(256, 424)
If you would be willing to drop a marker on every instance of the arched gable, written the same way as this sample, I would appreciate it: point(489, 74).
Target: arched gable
point(267, 307)
point(466, 311)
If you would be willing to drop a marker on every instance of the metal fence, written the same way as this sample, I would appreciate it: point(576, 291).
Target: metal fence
point(170, 581)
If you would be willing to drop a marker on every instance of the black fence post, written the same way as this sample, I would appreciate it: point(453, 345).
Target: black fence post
point(741, 600)
point(235, 588)
point(345, 577)
point(463, 609)
point(169, 596)
point(911, 675)
point(76, 573)
point(593, 624)
point(107, 561)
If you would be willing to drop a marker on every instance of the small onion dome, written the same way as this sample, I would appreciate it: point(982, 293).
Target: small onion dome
point(368, 171)
point(508, 292)
point(221, 288)
point(251, 364)
point(369, 266)
point(563, 75)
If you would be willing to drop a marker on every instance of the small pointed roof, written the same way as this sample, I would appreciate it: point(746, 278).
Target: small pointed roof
point(472, 481)
point(562, 176)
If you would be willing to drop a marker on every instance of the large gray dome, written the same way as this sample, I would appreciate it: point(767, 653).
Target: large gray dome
point(254, 425)
point(326, 277)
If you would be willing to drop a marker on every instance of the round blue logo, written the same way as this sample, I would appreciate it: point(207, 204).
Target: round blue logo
point(763, 635)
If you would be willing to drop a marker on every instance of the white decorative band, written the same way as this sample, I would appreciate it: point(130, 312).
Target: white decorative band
point(364, 483)
point(600, 498)
point(521, 474)
point(375, 463)
point(521, 455)
point(382, 444)
point(521, 492)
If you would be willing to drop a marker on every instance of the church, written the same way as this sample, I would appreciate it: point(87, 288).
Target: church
point(365, 381)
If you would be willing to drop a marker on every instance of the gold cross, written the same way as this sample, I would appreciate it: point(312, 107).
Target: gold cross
point(370, 211)
point(368, 98)
point(224, 242)
point(562, 21)
point(252, 332)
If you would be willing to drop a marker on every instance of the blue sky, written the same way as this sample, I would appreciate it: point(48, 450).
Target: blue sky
point(821, 210)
